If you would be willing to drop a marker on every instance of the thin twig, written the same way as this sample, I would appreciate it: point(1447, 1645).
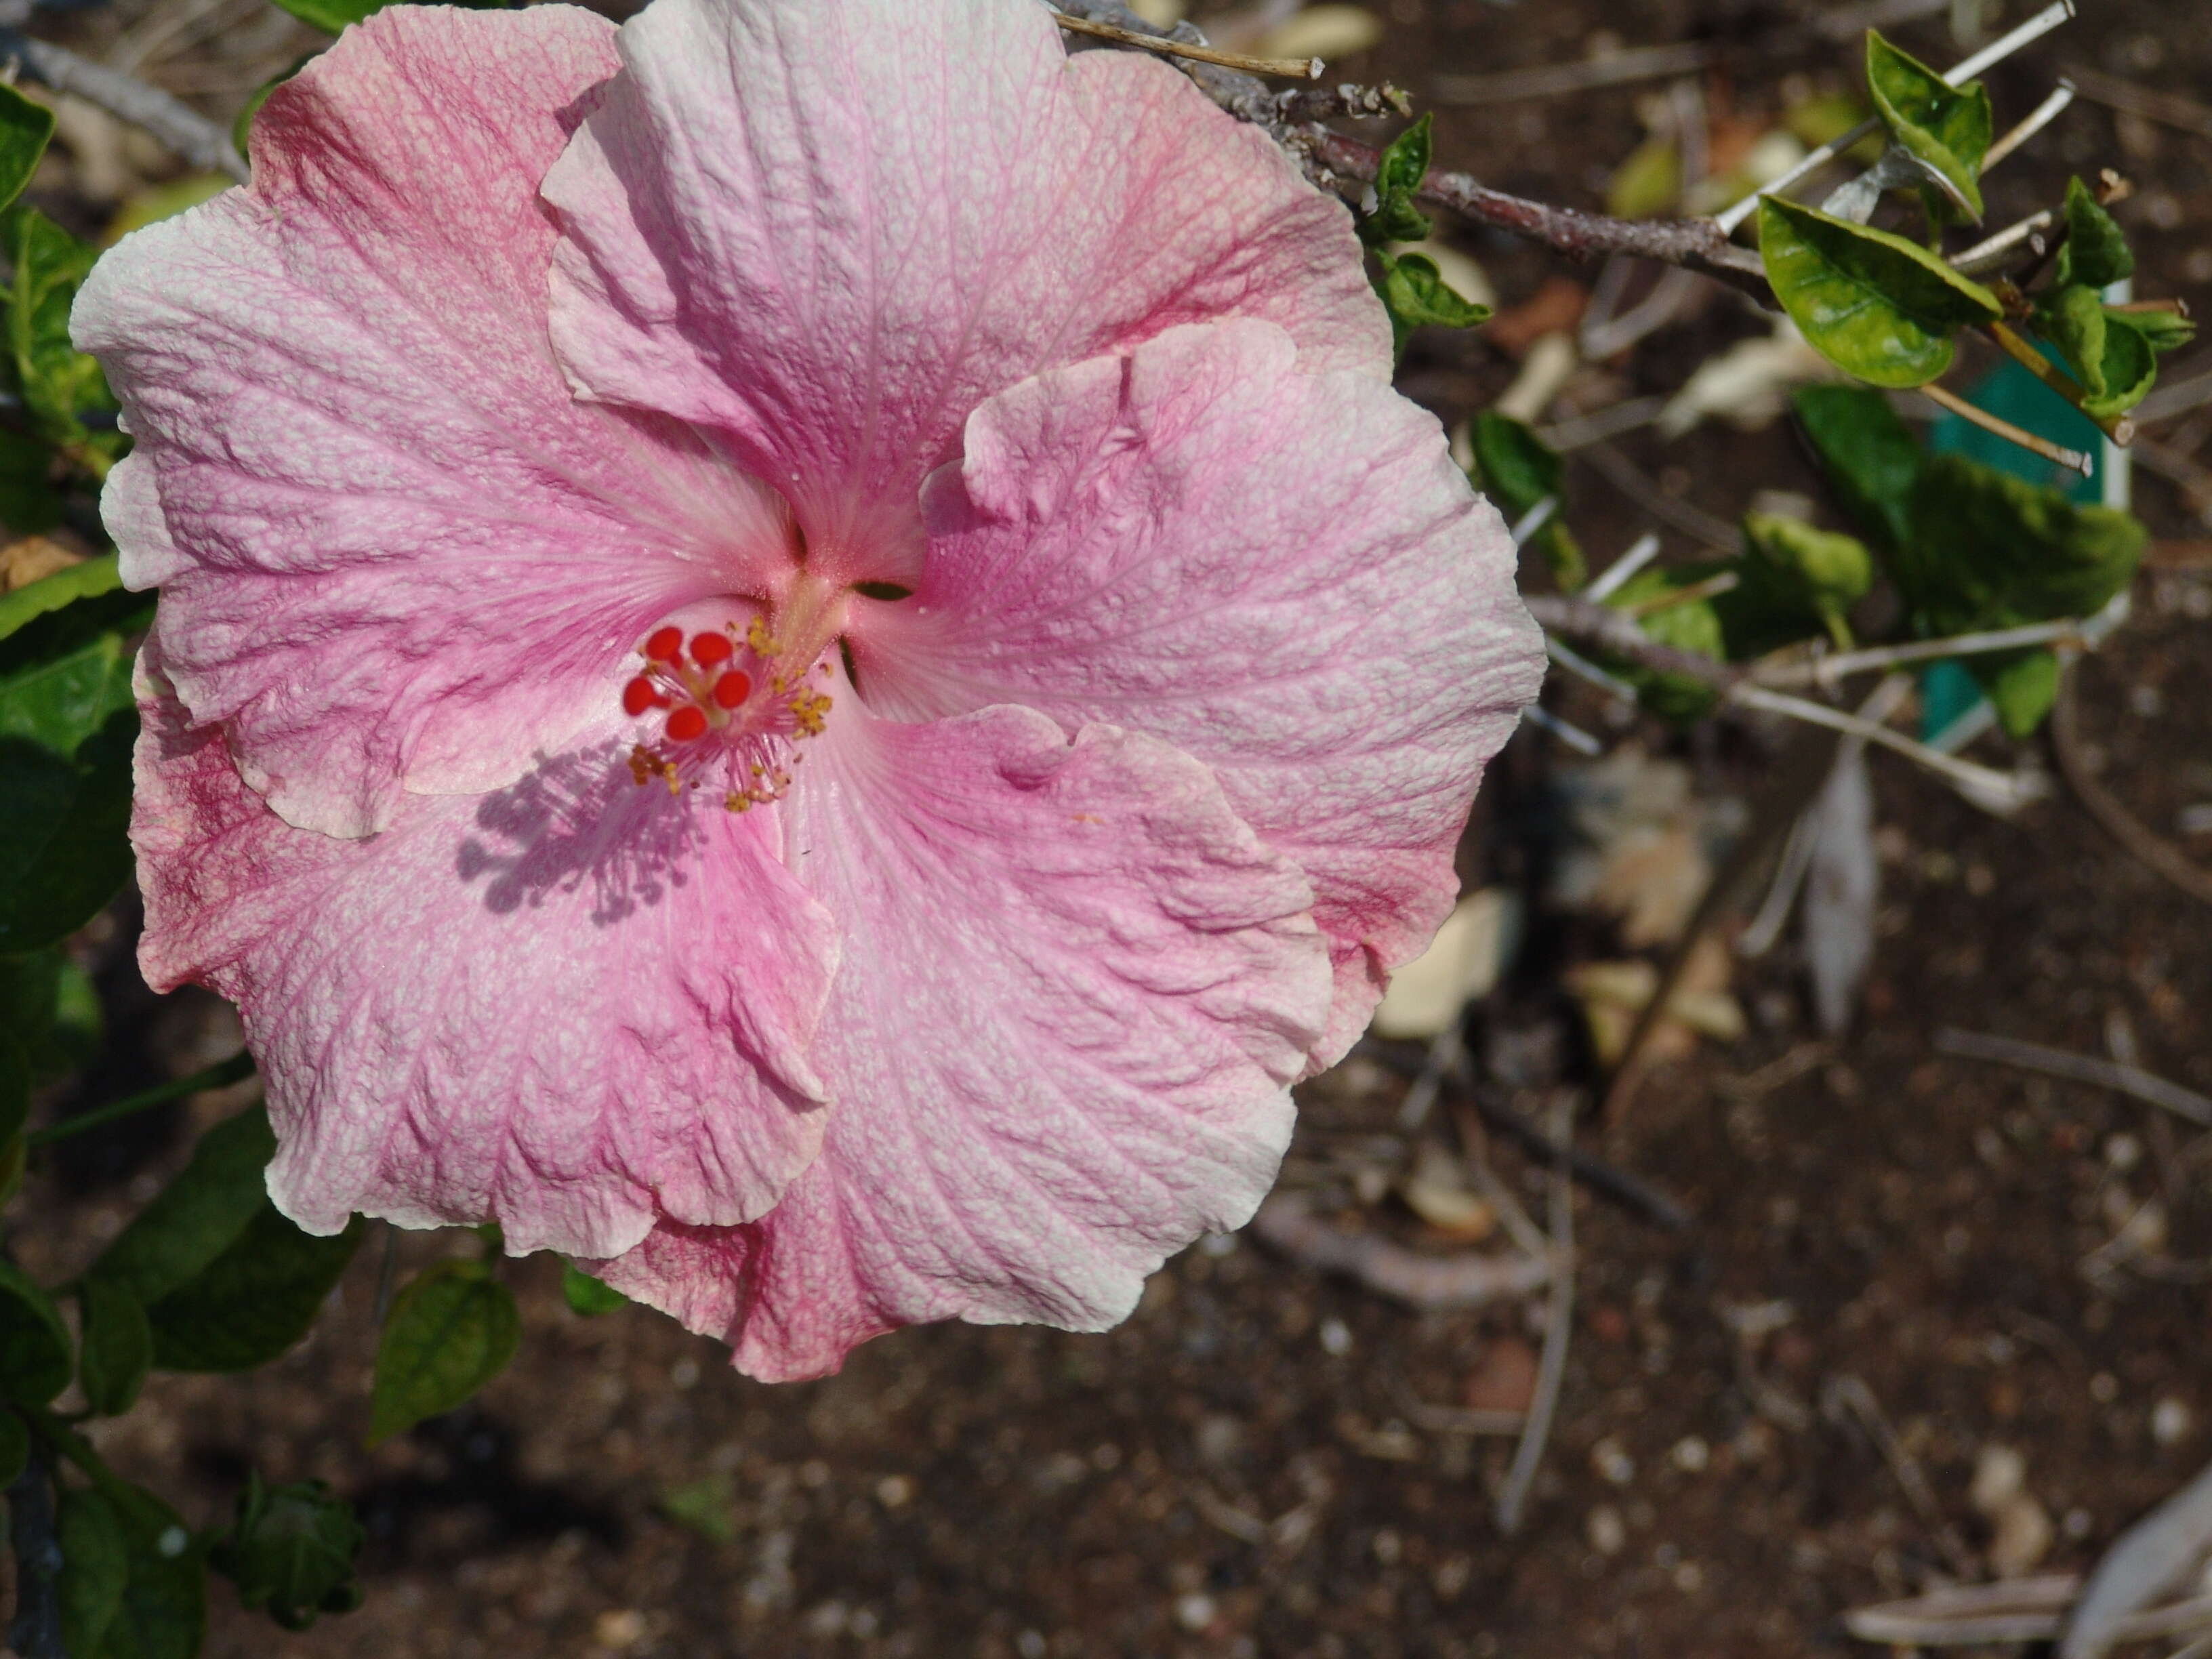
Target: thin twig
point(221, 1075)
point(1296, 68)
point(1556, 79)
point(1722, 581)
point(1992, 251)
point(1609, 629)
point(1999, 793)
point(2120, 428)
point(1632, 481)
point(2039, 117)
point(1551, 1368)
point(1830, 670)
point(2073, 460)
point(1698, 245)
point(1465, 1280)
point(1580, 431)
point(1633, 1195)
point(2102, 805)
point(1565, 730)
point(1849, 1394)
point(180, 128)
point(1641, 552)
point(2166, 108)
point(2146, 1086)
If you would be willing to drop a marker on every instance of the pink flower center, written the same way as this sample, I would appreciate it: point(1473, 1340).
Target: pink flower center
point(733, 707)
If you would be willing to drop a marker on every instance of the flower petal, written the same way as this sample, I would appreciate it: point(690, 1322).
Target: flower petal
point(1073, 993)
point(394, 550)
point(1282, 574)
point(572, 1006)
point(830, 230)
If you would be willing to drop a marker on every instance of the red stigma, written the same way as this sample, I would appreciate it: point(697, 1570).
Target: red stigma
point(732, 688)
point(707, 649)
point(665, 644)
point(639, 695)
point(685, 724)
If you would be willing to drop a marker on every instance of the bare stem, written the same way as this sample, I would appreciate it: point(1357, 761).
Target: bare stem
point(2072, 459)
point(179, 127)
point(1296, 68)
point(2120, 428)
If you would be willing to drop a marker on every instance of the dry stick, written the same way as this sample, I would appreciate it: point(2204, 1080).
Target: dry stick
point(1467, 1280)
point(2146, 1086)
point(2102, 805)
point(1850, 1393)
point(1632, 481)
point(1828, 670)
point(2165, 109)
point(1632, 1194)
point(1556, 79)
point(1989, 254)
point(2073, 460)
point(1612, 630)
point(1991, 790)
point(1551, 1368)
point(2039, 117)
point(179, 127)
point(1296, 68)
point(1698, 245)
point(2120, 428)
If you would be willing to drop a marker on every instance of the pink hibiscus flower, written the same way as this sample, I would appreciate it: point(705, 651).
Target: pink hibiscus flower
point(1066, 662)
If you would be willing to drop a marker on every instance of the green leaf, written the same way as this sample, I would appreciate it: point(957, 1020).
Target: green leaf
point(59, 704)
point(1516, 470)
point(155, 202)
point(1690, 625)
point(2112, 361)
point(25, 127)
point(14, 1085)
point(2095, 252)
point(2167, 330)
point(30, 500)
point(255, 1300)
point(201, 1214)
point(57, 382)
point(1415, 294)
point(291, 1550)
point(1869, 455)
point(14, 1448)
point(2022, 688)
point(80, 582)
point(118, 1346)
point(35, 1344)
point(704, 1507)
point(95, 1569)
point(332, 15)
point(163, 1614)
point(1991, 551)
point(1875, 305)
point(1947, 129)
point(1794, 581)
point(64, 845)
point(450, 1331)
point(1649, 183)
point(1398, 174)
point(586, 1295)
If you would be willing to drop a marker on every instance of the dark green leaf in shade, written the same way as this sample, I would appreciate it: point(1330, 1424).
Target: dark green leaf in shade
point(198, 1215)
point(14, 1448)
point(255, 1300)
point(95, 1569)
point(2095, 252)
point(163, 1613)
point(1794, 581)
point(117, 1346)
point(59, 703)
point(58, 383)
point(291, 1551)
point(35, 1344)
point(25, 127)
point(1946, 128)
point(586, 1295)
point(1878, 307)
point(704, 1506)
point(1516, 470)
point(1416, 295)
point(2111, 359)
point(30, 498)
point(64, 845)
point(80, 582)
point(2022, 687)
point(1869, 455)
point(1690, 625)
point(449, 1333)
point(14, 1084)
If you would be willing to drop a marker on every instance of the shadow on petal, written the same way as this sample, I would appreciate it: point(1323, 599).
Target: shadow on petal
point(581, 818)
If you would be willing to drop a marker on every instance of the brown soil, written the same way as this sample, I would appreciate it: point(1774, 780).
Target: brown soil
point(1236, 1470)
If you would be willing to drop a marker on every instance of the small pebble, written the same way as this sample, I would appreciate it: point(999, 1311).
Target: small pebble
point(685, 1373)
point(2123, 1152)
point(1194, 1612)
point(1335, 1337)
point(894, 1491)
point(2170, 1421)
point(620, 1630)
point(1691, 1454)
point(1606, 1532)
point(2104, 1387)
point(1612, 1461)
point(1030, 1645)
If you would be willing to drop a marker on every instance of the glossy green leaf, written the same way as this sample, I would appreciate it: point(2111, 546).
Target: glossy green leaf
point(2112, 362)
point(586, 1295)
point(2095, 252)
point(117, 1349)
point(254, 1301)
point(1516, 470)
point(95, 1569)
point(1416, 295)
point(59, 704)
point(25, 127)
point(14, 1448)
point(1398, 174)
point(450, 1331)
point(1946, 128)
point(291, 1550)
point(80, 582)
point(1870, 456)
point(57, 382)
point(2165, 331)
point(1875, 305)
point(35, 1344)
point(1991, 551)
point(201, 1214)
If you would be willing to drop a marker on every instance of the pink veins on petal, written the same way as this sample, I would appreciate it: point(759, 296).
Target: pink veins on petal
point(802, 650)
